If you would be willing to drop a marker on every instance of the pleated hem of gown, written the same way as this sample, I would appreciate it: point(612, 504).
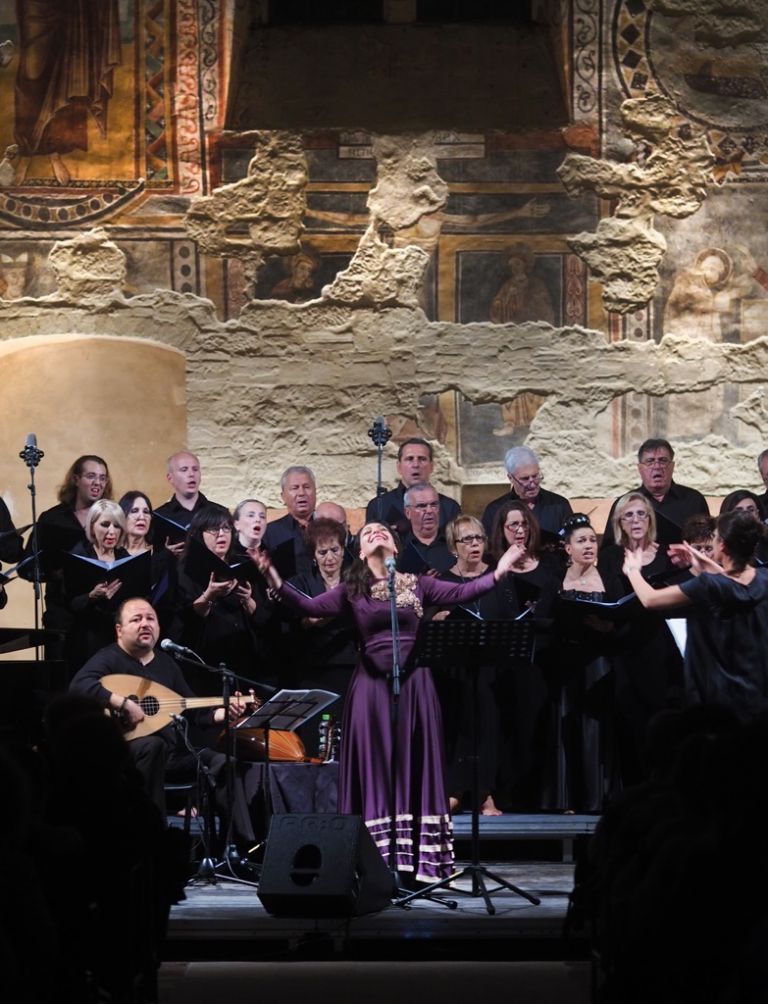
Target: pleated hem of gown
point(424, 844)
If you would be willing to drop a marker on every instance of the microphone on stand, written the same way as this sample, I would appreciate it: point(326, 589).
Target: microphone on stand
point(390, 564)
point(170, 646)
point(31, 455)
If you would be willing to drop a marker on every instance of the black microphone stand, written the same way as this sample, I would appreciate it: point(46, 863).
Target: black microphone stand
point(210, 870)
point(381, 434)
point(32, 456)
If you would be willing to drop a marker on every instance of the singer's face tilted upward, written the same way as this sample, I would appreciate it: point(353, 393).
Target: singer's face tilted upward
point(376, 537)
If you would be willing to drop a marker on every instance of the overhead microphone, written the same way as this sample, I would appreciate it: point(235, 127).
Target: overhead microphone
point(390, 564)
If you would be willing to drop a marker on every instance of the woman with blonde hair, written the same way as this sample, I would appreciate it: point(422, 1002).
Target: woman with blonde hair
point(648, 664)
point(93, 611)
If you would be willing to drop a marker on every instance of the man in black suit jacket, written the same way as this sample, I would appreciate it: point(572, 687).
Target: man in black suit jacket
point(414, 466)
point(284, 538)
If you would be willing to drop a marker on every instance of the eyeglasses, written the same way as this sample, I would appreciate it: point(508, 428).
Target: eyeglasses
point(627, 517)
point(515, 526)
point(529, 479)
point(471, 538)
point(656, 462)
point(216, 530)
point(90, 476)
point(423, 506)
point(322, 551)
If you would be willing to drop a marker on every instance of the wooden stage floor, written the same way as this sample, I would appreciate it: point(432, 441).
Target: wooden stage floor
point(227, 921)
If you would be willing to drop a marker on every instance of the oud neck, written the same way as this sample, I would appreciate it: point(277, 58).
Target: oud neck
point(202, 702)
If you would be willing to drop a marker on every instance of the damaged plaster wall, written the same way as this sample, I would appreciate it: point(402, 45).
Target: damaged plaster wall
point(300, 383)
point(668, 173)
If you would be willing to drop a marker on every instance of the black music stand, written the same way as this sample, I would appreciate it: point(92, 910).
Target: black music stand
point(471, 644)
point(286, 710)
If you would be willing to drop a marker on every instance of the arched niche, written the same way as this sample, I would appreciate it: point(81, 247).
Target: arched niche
point(121, 398)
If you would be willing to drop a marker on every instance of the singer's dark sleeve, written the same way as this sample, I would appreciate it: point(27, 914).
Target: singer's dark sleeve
point(11, 547)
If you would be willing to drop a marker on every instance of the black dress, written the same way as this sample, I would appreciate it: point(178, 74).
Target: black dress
point(93, 623)
point(529, 696)
point(588, 765)
point(456, 692)
point(321, 656)
point(648, 665)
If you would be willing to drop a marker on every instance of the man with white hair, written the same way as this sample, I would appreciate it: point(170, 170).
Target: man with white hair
point(284, 538)
point(524, 474)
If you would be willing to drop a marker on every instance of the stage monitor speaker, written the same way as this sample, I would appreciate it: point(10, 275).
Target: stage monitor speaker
point(323, 865)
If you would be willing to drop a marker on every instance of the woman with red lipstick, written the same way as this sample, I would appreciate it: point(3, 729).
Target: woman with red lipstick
point(424, 835)
point(138, 520)
point(138, 539)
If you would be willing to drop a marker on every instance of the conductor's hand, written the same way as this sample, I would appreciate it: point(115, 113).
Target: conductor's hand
point(633, 561)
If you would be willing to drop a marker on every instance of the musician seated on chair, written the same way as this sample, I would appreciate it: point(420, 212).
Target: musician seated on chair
point(161, 753)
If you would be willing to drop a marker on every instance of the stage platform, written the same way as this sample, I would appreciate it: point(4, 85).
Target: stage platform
point(226, 921)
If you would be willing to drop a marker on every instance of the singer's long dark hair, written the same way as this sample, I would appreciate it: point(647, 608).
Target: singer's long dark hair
point(358, 577)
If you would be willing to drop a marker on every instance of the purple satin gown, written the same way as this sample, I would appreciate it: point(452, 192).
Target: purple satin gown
point(424, 830)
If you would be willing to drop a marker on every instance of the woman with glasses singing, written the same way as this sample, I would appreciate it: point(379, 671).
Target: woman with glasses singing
point(648, 665)
point(528, 760)
point(466, 539)
point(215, 614)
point(321, 651)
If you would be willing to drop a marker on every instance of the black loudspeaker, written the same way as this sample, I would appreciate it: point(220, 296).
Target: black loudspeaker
point(322, 865)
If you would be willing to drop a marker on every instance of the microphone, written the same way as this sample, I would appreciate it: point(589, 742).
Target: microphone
point(30, 454)
point(170, 646)
point(390, 564)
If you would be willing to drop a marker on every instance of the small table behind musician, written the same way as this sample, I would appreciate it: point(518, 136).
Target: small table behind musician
point(161, 753)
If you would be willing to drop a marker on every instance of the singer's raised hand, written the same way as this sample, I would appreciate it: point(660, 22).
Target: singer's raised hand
point(264, 564)
point(512, 555)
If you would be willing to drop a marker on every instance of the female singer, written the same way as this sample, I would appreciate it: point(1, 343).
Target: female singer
point(250, 523)
point(322, 650)
point(528, 764)
point(584, 642)
point(648, 667)
point(93, 624)
point(424, 837)
point(138, 520)
point(726, 654)
point(215, 615)
point(466, 538)
point(138, 539)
